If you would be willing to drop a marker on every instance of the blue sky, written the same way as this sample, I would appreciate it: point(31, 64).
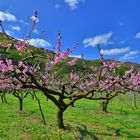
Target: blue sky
point(114, 24)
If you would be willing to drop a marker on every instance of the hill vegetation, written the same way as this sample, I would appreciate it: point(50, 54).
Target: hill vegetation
point(12, 53)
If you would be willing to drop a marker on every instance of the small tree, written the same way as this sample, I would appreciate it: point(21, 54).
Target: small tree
point(19, 93)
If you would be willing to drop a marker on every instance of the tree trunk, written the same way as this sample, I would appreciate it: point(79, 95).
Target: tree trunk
point(72, 105)
point(60, 119)
point(104, 105)
point(2, 99)
point(5, 99)
point(135, 101)
point(20, 104)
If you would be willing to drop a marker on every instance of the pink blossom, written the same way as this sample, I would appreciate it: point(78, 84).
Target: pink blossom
point(7, 66)
point(22, 45)
point(73, 62)
point(60, 56)
point(20, 64)
point(5, 45)
point(114, 64)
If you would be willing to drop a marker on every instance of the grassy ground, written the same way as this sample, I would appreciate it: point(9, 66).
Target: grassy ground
point(83, 122)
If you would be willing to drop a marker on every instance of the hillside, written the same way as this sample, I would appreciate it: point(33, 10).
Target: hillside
point(12, 53)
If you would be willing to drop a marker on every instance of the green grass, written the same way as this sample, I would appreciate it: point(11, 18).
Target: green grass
point(27, 125)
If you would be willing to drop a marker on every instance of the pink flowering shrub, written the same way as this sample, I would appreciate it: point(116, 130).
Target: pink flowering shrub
point(6, 66)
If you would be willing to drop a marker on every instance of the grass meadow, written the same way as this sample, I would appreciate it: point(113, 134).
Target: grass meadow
point(85, 121)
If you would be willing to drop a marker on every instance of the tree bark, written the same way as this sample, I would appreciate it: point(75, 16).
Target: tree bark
point(5, 99)
point(72, 105)
point(105, 105)
point(20, 104)
point(135, 101)
point(2, 99)
point(60, 119)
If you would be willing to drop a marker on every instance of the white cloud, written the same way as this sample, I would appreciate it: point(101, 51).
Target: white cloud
point(138, 35)
point(124, 58)
point(57, 6)
point(39, 42)
point(131, 54)
point(122, 42)
point(78, 56)
point(23, 22)
point(5, 16)
point(73, 4)
point(103, 39)
point(16, 28)
point(10, 33)
point(120, 23)
point(36, 31)
point(34, 18)
point(116, 51)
